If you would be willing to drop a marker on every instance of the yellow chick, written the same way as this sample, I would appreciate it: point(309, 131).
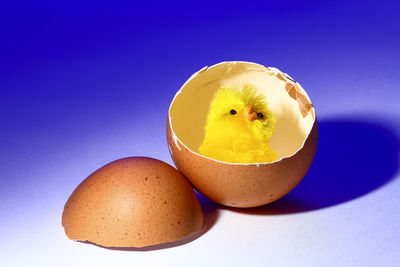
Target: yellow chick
point(239, 126)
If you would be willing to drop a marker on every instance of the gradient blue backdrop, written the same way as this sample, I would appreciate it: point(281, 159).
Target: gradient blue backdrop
point(83, 84)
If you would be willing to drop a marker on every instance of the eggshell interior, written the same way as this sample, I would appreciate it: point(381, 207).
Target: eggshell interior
point(133, 202)
point(235, 184)
point(190, 106)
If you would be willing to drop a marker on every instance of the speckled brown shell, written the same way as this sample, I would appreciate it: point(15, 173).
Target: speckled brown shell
point(133, 202)
point(243, 185)
point(235, 184)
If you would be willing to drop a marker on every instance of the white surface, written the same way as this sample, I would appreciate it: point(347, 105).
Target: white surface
point(338, 236)
point(361, 232)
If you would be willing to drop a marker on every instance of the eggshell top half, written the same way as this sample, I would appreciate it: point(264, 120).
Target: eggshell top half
point(234, 184)
point(133, 202)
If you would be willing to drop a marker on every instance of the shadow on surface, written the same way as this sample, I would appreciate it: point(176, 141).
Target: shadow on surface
point(353, 158)
point(211, 214)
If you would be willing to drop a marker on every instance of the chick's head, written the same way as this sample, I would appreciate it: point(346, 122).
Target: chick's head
point(241, 111)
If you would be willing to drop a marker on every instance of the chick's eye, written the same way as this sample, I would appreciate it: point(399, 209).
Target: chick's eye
point(260, 115)
point(232, 112)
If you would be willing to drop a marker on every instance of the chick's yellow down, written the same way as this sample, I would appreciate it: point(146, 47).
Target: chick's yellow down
point(239, 126)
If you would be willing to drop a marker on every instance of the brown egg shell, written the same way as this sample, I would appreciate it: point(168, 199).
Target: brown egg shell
point(133, 202)
point(246, 185)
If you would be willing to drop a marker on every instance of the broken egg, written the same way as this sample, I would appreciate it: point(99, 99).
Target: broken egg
point(132, 202)
point(235, 184)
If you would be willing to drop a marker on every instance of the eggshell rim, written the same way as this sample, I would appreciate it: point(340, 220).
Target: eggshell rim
point(275, 71)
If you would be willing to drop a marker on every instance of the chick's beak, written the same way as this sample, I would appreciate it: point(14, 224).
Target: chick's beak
point(251, 115)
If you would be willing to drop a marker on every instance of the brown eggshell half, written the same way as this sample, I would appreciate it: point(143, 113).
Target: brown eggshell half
point(235, 184)
point(133, 202)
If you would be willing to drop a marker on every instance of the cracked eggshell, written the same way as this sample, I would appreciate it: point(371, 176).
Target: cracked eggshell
point(236, 184)
point(132, 202)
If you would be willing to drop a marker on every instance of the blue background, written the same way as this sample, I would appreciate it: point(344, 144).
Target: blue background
point(83, 84)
